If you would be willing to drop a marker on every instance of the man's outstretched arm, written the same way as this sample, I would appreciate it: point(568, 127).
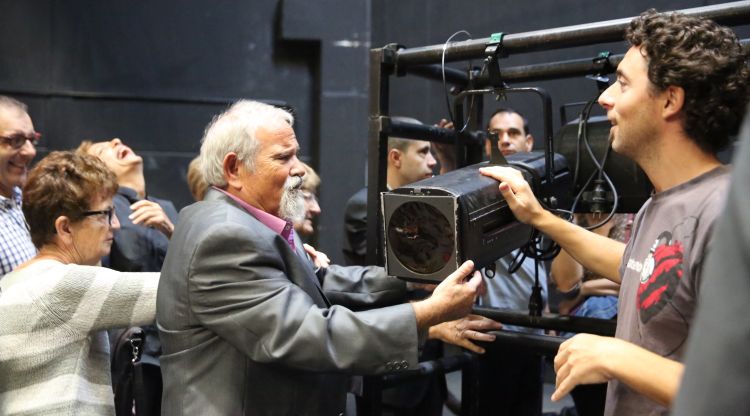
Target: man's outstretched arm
point(599, 254)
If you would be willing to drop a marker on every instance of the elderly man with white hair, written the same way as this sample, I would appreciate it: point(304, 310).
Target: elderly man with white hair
point(248, 325)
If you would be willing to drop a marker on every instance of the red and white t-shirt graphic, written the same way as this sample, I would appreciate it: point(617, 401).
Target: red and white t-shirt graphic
point(660, 276)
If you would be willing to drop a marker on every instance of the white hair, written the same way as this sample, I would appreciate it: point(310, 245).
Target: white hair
point(234, 131)
point(11, 103)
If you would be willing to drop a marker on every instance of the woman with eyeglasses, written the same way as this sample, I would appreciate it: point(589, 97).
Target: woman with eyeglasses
point(305, 227)
point(18, 142)
point(310, 183)
point(55, 308)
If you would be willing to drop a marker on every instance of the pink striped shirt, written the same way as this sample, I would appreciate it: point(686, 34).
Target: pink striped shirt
point(279, 226)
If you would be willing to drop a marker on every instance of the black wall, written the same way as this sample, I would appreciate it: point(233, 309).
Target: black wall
point(420, 23)
point(154, 73)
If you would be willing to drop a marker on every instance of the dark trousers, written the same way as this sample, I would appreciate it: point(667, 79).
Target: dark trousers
point(421, 397)
point(589, 399)
point(510, 382)
point(430, 402)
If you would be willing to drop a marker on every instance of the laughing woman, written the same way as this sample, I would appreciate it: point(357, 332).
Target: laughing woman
point(55, 308)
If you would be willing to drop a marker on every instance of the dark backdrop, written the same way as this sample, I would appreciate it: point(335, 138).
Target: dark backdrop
point(154, 73)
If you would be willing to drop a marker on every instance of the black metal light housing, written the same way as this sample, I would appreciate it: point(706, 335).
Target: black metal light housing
point(432, 226)
point(632, 184)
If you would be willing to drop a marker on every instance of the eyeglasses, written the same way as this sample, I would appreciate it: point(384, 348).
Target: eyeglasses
point(107, 211)
point(17, 140)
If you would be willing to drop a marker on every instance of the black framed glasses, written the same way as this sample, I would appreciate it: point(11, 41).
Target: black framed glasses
point(17, 140)
point(108, 212)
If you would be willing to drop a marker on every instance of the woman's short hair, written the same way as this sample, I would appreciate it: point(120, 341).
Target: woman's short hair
point(196, 183)
point(311, 180)
point(63, 183)
point(235, 131)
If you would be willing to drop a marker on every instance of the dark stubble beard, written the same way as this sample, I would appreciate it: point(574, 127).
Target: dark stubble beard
point(635, 138)
point(292, 206)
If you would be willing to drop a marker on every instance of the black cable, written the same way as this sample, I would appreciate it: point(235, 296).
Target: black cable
point(535, 249)
point(604, 160)
point(602, 177)
point(581, 124)
point(445, 83)
point(598, 173)
point(583, 134)
point(473, 97)
point(536, 301)
point(473, 100)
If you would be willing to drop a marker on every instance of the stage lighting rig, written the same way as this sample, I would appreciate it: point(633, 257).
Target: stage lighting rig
point(434, 225)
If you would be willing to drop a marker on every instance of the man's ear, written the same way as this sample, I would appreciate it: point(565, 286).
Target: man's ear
point(394, 158)
point(231, 169)
point(529, 142)
point(674, 100)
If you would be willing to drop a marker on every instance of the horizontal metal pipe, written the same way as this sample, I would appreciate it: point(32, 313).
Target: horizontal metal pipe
point(534, 72)
point(566, 69)
point(555, 70)
point(427, 132)
point(552, 322)
point(523, 73)
point(562, 37)
point(453, 76)
point(542, 344)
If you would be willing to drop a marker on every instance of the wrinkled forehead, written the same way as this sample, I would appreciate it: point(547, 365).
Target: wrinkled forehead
point(14, 120)
point(277, 126)
point(97, 148)
point(278, 134)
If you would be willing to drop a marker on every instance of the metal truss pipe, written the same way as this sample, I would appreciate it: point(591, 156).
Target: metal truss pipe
point(406, 130)
point(534, 72)
point(553, 322)
point(541, 344)
point(563, 37)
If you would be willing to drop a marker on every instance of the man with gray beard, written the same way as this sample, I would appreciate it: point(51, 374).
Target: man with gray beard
point(292, 205)
point(249, 323)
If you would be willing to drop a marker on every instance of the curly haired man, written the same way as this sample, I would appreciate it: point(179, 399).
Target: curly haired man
point(681, 91)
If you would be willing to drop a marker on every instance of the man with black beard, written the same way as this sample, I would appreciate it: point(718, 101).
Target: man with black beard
point(249, 324)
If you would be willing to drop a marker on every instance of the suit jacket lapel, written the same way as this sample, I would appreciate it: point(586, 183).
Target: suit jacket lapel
point(310, 267)
point(301, 271)
point(299, 266)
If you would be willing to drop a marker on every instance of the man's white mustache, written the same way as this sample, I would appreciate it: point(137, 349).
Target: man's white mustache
point(293, 183)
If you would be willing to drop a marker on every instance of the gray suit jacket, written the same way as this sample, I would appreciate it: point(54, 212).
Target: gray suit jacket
point(247, 329)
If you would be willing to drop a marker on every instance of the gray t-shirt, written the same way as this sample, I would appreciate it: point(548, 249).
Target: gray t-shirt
point(661, 276)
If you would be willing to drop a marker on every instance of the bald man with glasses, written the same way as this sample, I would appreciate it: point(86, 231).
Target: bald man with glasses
point(17, 149)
